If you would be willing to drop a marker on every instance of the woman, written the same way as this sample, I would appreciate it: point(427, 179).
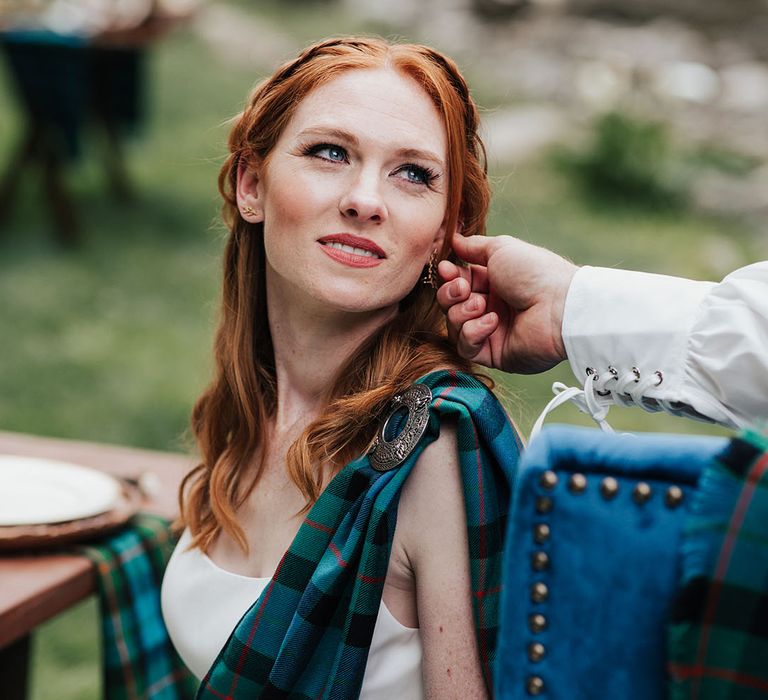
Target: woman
point(349, 171)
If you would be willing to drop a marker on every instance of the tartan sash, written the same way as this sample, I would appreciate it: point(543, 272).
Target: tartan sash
point(308, 634)
point(718, 638)
point(138, 659)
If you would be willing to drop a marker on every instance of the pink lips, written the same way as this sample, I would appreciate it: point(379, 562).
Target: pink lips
point(349, 258)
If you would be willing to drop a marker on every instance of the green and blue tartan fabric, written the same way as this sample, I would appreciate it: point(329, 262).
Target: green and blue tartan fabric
point(308, 634)
point(718, 638)
point(139, 661)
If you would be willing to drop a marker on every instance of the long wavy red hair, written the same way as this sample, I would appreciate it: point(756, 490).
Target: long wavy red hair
point(229, 419)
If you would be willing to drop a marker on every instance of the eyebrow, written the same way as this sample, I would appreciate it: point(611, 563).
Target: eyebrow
point(346, 136)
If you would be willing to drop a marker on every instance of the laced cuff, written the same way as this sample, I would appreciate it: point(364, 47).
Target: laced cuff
point(604, 389)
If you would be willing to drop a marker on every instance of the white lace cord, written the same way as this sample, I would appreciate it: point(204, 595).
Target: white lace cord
point(603, 390)
point(586, 400)
point(630, 389)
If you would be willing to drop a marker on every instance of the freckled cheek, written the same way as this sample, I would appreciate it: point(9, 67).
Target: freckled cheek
point(297, 203)
point(421, 228)
point(421, 242)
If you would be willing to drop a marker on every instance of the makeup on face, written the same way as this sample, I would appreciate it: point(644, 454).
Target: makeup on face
point(353, 195)
point(355, 251)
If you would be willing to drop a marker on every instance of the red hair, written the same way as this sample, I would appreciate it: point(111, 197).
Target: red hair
point(229, 419)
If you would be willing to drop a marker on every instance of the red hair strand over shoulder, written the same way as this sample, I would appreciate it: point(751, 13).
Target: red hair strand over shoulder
point(230, 419)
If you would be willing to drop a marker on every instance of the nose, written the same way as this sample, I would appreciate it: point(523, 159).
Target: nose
point(363, 200)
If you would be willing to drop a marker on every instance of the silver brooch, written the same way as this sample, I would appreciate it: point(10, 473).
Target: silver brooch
point(387, 454)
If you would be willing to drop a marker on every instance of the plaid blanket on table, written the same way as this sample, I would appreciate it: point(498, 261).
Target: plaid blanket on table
point(139, 662)
point(719, 632)
point(308, 634)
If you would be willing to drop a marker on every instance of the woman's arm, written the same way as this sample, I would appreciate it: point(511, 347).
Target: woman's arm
point(433, 527)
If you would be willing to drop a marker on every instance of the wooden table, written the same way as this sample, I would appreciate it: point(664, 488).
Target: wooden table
point(35, 588)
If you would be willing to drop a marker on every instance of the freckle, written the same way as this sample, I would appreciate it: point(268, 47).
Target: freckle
point(449, 673)
point(441, 628)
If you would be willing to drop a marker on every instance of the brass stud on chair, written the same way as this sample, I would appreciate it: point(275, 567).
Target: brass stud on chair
point(537, 623)
point(539, 561)
point(641, 493)
point(577, 483)
point(548, 480)
point(609, 488)
point(536, 651)
point(539, 592)
point(673, 497)
point(534, 685)
point(541, 533)
point(543, 504)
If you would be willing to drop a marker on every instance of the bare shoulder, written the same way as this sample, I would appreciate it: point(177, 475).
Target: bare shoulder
point(432, 494)
point(434, 537)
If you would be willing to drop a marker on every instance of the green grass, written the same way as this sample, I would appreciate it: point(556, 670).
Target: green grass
point(65, 656)
point(111, 342)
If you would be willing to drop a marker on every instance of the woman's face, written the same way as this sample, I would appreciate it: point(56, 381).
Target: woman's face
point(353, 194)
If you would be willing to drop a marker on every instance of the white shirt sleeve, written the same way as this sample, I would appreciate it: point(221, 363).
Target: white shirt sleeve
point(705, 344)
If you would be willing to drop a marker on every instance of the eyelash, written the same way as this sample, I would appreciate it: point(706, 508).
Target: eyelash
point(314, 150)
point(427, 175)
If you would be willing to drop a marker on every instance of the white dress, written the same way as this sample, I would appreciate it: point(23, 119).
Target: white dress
point(202, 603)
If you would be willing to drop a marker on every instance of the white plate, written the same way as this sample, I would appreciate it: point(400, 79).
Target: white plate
point(42, 491)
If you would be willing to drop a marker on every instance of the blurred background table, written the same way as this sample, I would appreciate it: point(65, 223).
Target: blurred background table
point(76, 70)
point(36, 587)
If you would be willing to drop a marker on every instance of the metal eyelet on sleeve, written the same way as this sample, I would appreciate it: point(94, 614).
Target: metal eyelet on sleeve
point(604, 388)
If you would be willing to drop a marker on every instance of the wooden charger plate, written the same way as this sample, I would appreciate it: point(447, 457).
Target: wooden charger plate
point(33, 537)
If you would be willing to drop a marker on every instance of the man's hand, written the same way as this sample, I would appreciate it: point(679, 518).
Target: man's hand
point(506, 309)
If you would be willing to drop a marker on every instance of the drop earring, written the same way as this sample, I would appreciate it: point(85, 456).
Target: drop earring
point(429, 277)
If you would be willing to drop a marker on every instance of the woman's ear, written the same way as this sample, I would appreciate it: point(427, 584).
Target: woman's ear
point(447, 245)
point(249, 195)
point(439, 240)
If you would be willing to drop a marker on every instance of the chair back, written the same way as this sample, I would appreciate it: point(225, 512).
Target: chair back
point(592, 563)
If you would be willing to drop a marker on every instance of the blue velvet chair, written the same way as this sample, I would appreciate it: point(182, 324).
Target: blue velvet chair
point(592, 564)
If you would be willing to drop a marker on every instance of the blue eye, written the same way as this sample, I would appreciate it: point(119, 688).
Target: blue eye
point(327, 151)
point(333, 153)
point(417, 175)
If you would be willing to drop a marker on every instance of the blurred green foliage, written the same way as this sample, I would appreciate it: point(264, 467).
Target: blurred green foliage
point(632, 162)
point(111, 342)
point(629, 160)
point(726, 161)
